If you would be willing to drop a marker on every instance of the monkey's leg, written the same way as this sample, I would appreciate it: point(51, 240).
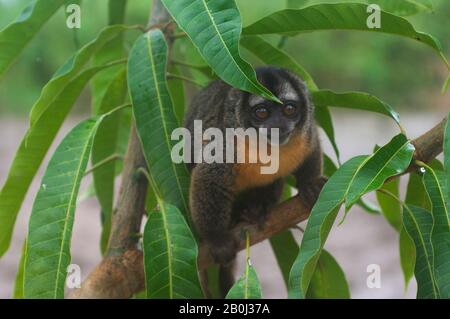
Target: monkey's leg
point(211, 201)
point(253, 205)
point(309, 178)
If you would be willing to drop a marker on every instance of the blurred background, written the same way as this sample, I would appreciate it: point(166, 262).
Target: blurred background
point(406, 74)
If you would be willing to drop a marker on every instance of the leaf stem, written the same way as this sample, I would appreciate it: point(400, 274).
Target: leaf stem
point(184, 78)
point(189, 65)
point(103, 162)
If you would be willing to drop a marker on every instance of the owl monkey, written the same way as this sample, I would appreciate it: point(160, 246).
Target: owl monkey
point(224, 194)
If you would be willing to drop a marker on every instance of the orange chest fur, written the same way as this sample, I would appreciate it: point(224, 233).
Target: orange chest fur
point(291, 155)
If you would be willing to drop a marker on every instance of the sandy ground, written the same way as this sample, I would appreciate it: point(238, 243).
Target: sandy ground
point(362, 240)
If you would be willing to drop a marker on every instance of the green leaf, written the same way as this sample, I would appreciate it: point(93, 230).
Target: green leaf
point(247, 286)
point(72, 68)
point(389, 160)
point(418, 223)
point(368, 206)
point(328, 280)
point(105, 145)
point(436, 187)
point(337, 16)
point(18, 285)
point(407, 255)
point(215, 27)
point(170, 255)
point(15, 36)
point(176, 89)
point(404, 7)
point(155, 117)
point(354, 100)
point(285, 249)
point(390, 207)
point(51, 221)
point(271, 55)
point(415, 192)
point(32, 151)
point(319, 225)
point(116, 11)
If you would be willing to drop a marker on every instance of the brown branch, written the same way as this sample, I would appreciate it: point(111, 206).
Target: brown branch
point(121, 276)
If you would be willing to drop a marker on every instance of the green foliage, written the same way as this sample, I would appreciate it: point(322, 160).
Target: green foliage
point(328, 280)
point(390, 207)
point(319, 225)
point(47, 116)
point(247, 286)
point(418, 223)
point(16, 35)
point(155, 117)
point(436, 187)
point(340, 16)
point(214, 28)
point(208, 47)
point(51, 221)
point(170, 255)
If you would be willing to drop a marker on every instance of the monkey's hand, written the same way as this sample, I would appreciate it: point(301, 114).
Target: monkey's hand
point(309, 192)
point(254, 213)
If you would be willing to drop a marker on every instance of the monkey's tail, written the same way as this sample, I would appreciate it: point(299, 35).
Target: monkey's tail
point(226, 278)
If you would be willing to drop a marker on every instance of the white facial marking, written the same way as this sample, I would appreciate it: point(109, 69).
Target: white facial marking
point(255, 100)
point(288, 93)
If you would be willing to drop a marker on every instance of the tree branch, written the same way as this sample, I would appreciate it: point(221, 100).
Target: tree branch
point(121, 276)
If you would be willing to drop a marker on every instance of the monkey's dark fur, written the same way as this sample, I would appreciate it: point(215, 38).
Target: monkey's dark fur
point(222, 195)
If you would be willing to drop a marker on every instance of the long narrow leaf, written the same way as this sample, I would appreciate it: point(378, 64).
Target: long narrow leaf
point(215, 28)
point(32, 150)
point(319, 225)
point(354, 100)
point(435, 185)
point(418, 223)
point(338, 16)
point(51, 221)
point(155, 117)
point(407, 255)
point(170, 255)
point(389, 160)
point(247, 286)
point(390, 207)
point(18, 284)
point(14, 37)
point(328, 281)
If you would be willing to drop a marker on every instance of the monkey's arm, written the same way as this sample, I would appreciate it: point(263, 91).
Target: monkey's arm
point(309, 176)
point(211, 201)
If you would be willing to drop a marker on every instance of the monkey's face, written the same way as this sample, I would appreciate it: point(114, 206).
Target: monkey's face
point(286, 117)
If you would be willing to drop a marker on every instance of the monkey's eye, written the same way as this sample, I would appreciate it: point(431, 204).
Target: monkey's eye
point(289, 110)
point(261, 113)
